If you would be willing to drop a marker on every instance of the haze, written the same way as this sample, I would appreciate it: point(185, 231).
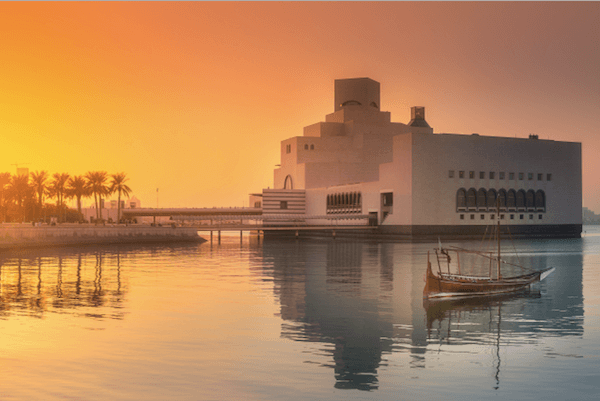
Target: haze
point(194, 98)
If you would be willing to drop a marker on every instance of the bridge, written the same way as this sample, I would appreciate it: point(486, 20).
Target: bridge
point(214, 211)
point(271, 222)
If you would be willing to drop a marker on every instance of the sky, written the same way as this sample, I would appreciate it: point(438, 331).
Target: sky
point(194, 98)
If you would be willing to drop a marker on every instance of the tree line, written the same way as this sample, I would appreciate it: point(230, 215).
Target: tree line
point(26, 197)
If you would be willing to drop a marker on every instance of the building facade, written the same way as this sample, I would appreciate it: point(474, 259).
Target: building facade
point(409, 180)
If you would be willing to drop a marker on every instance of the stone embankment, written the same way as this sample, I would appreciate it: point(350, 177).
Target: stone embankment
point(14, 236)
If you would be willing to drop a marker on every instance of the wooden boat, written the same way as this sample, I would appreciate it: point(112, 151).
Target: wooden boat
point(455, 284)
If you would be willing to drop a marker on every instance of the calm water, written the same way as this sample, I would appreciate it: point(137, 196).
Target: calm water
point(290, 320)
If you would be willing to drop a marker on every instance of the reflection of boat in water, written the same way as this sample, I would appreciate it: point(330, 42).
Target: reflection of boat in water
point(469, 319)
point(442, 309)
point(455, 284)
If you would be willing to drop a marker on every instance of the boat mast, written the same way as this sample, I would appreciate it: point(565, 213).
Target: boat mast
point(498, 233)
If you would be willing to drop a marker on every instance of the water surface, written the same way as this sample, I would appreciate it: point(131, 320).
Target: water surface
point(291, 320)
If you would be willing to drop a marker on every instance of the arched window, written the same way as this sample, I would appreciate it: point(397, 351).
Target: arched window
point(530, 199)
point(491, 199)
point(472, 198)
point(520, 199)
point(346, 202)
point(359, 200)
point(287, 184)
point(306, 146)
point(481, 198)
point(540, 200)
point(328, 202)
point(502, 198)
point(351, 103)
point(511, 199)
point(312, 147)
point(461, 199)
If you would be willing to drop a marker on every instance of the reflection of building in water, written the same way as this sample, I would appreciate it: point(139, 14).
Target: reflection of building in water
point(366, 301)
point(327, 289)
point(82, 283)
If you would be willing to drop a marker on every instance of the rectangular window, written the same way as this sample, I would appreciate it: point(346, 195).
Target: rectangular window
point(462, 216)
point(521, 216)
point(482, 216)
point(530, 217)
point(471, 174)
point(501, 217)
point(540, 217)
point(540, 177)
point(511, 176)
point(450, 173)
point(288, 148)
point(548, 177)
point(481, 175)
point(492, 174)
point(472, 217)
point(512, 216)
point(492, 216)
point(283, 205)
point(530, 176)
point(502, 175)
point(520, 176)
point(461, 174)
point(387, 199)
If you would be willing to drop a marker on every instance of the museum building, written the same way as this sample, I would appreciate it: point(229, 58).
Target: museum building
point(406, 179)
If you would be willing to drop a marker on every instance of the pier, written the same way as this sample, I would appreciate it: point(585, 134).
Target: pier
point(285, 231)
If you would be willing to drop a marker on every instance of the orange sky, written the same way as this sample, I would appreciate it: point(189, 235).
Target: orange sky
point(194, 98)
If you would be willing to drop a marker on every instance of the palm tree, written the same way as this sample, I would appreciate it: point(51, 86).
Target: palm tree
point(77, 187)
point(38, 181)
point(96, 182)
point(118, 185)
point(4, 181)
point(18, 188)
point(58, 188)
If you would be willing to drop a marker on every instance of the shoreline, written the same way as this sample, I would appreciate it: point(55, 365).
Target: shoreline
point(18, 236)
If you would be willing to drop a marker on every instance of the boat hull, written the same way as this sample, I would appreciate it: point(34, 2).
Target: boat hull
point(449, 285)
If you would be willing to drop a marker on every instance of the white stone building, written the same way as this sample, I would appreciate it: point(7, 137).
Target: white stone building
point(410, 180)
point(110, 208)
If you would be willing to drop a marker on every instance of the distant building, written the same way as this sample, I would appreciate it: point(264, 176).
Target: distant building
point(23, 171)
point(110, 208)
point(589, 217)
point(410, 180)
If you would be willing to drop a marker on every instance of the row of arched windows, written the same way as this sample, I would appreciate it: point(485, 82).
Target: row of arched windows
point(490, 199)
point(346, 202)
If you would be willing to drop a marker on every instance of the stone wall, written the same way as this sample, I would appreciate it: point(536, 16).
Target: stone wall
point(19, 236)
